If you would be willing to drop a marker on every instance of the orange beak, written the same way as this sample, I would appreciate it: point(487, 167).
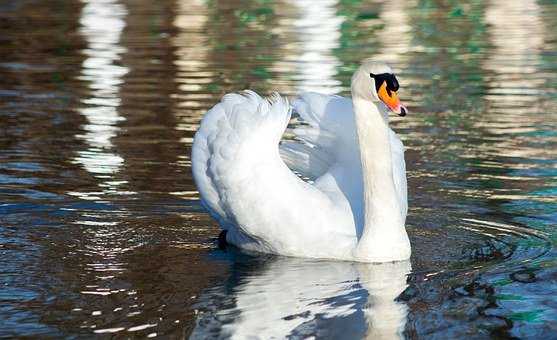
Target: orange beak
point(390, 98)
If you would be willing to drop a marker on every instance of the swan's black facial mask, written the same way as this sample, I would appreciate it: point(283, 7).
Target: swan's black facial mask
point(389, 78)
point(386, 86)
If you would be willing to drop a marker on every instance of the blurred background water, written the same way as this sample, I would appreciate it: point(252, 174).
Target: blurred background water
point(101, 229)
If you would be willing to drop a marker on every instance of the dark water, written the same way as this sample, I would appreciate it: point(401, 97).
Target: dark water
point(101, 229)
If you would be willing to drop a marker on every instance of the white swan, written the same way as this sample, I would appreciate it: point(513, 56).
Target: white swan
point(355, 208)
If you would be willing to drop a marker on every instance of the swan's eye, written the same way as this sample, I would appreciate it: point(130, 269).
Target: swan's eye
point(392, 83)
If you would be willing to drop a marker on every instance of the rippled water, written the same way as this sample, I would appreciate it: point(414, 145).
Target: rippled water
point(101, 229)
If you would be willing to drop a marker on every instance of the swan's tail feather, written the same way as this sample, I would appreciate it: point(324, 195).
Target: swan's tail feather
point(236, 133)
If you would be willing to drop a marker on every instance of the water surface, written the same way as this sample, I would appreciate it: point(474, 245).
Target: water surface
point(101, 228)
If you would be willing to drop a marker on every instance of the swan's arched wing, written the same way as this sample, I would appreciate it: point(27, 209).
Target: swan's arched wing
point(227, 133)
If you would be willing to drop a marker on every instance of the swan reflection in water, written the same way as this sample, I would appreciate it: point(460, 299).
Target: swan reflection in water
point(280, 297)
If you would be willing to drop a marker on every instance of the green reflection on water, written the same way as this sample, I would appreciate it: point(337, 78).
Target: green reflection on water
point(529, 316)
point(451, 52)
point(235, 29)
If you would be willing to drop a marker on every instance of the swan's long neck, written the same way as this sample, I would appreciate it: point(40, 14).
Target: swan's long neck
point(384, 237)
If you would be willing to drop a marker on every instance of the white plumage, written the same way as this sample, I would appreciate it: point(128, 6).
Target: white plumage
point(248, 181)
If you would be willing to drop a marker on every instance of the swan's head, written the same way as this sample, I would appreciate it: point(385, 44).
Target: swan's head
point(375, 81)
